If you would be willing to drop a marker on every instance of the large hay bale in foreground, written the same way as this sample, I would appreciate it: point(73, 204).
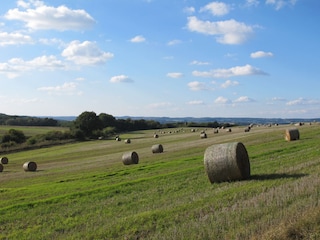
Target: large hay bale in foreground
point(227, 162)
point(157, 148)
point(1, 167)
point(4, 160)
point(292, 134)
point(130, 158)
point(29, 166)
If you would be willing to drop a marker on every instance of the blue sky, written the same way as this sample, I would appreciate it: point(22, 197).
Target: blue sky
point(173, 58)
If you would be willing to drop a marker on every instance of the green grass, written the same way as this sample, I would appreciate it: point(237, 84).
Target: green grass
point(83, 191)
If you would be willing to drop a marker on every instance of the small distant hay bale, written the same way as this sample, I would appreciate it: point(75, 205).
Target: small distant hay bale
point(193, 130)
point(155, 135)
point(203, 135)
point(1, 167)
point(4, 160)
point(157, 148)
point(130, 158)
point(292, 134)
point(118, 139)
point(227, 162)
point(229, 130)
point(247, 129)
point(127, 140)
point(30, 166)
point(216, 130)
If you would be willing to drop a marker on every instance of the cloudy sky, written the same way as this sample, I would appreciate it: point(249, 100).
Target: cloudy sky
point(174, 58)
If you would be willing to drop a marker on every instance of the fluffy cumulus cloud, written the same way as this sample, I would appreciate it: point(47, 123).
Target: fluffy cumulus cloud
point(175, 75)
point(14, 39)
point(216, 8)
point(229, 83)
point(85, 53)
point(222, 100)
point(68, 88)
point(243, 99)
point(120, 79)
point(226, 32)
point(261, 54)
point(278, 4)
point(245, 70)
point(37, 16)
point(197, 86)
point(138, 39)
point(16, 66)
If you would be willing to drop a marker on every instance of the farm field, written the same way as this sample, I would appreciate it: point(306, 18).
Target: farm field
point(84, 191)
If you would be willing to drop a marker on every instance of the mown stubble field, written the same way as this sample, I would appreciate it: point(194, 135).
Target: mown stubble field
point(84, 191)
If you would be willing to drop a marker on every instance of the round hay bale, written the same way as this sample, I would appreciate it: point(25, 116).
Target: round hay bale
point(127, 140)
point(1, 167)
point(155, 135)
point(216, 130)
point(292, 134)
point(130, 158)
point(4, 160)
point(157, 148)
point(203, 135)
point(29, 166)
point(227, 162)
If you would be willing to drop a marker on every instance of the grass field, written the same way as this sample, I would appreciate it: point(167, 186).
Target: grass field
point(84, 191)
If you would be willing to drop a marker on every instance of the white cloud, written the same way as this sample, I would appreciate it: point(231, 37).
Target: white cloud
point(243, 99)
point(38, 16)
point(138, 39)
point(85, 53)
point(175, 75)
point(197, 86)
point(229, 83)
point(261, 54)
point(245, 70)
point(216, 8)
point(68, 88)
point(14, 39)
point(15, 66)
point(199, 63)
point(302, 101)
point(120, 79)
point(222, 100)
point(174, 42)
point(278, 4)
point(196, 102)
point(227, 32)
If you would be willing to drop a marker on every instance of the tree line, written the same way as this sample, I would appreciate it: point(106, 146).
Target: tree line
point(88, 125)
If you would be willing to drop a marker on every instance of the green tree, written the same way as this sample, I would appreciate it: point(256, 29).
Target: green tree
point(14, 135)
point(88, 123)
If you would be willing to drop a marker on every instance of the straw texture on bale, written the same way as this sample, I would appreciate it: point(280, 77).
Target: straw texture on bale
point(227, 162)
point(292, 134)
point(1, 167)
point(4, 160)
point(130, 158)
point(157, 148)
point(30, 166)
